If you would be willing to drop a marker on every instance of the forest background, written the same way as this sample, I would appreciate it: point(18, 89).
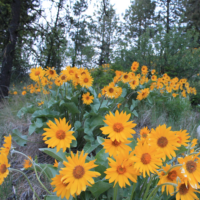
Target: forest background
point(162, 34)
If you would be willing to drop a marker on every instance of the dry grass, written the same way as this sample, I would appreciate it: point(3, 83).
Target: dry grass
point(16, 182)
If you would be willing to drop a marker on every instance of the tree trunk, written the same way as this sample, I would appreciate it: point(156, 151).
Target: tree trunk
point(8, 53)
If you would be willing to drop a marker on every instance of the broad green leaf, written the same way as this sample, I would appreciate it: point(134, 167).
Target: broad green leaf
point(97, 121)
point(74, 143)
point(71, 107)
point(77, 125)
point(32, 129)
point(124, 92)
point(135, 113)
point(48, 169)
point(181, 150)
point(54, 197)
point(46, 113)
point(100, 139)
point(51, 102)
point(99, 187)
point(101, 158)
point(52, 152)
point(38, 123)
point(102, 162)
point(133, 143)
point(19, 138)
point(21, 112)
point(89, 147)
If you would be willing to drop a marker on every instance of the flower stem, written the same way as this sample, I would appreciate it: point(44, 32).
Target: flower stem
point(34, 171)
point(133, 190)
point(147, 189)
point(11, 169)
point(115, 192)
point(153, 193)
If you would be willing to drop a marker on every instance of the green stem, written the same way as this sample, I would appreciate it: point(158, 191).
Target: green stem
point(143, 186)
point(34, 171)
point(133, 190)
point(11, 169)
point(147, 189)
point(156, 189)
point(115, 192)
point(101, 102)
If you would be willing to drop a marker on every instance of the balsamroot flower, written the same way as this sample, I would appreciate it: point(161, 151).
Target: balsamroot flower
point(59, 134)
point(118, 128)
point(76, 173)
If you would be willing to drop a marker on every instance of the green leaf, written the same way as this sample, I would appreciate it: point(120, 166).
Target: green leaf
point(74, 143)
point(89, 147)
point(32, 129)
point(52, 152)
point(50, 171)
point(135, 113)
point(77, 125)
point(181, 150)
point(54, 197)
point(102, 162)
point(39, 123)
point(99, 187)
point(71, 107)
point(46, 113)
point(133, 143)
point(51, 102)
point(100, 139)
point(101, 158)
point(19, 138)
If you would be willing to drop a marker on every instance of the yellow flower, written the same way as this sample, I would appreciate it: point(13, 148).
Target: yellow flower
point(4, 165)
point(144, 70)
point(60, 187)
point(147, 159)
point(99, 95)
point(191, 169)
point(154, 78)
point(125, 77)
point(185, 192)
point(63, 78)
point(58, 81)
point(183, 137)
point(37, 73)
point(134, 83)
point(183, 93)
point(86, 80)
point(118, 105)
point(121, 171)
point(134, 66)
point(169, 176)
point(144, 134)
point(110, 91)
point(118, 126)
point(15, 92)
point(7, 145)
point(58, 135)
point(55, 164)
point(118, 92)
point(165, 141)
point(51, 73)
point(174, 95)
point(23, 92)
point(115, 148)
point(40, 103)
point(28, 163)
point(76, 173)
point(153, 71)
point(142, 94)
point(87, 99)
